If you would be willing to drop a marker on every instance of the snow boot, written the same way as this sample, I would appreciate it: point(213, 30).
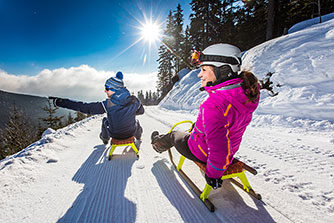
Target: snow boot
point(105, 141)
point(153, 136)
point(158, 142)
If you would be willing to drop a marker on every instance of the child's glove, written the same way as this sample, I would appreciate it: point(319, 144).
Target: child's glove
point(54, 100)
point(214, 182)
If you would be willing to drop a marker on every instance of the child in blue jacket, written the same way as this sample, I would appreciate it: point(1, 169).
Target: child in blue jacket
point(121, 109)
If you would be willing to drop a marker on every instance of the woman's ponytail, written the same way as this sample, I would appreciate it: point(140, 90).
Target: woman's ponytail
point(250, 86)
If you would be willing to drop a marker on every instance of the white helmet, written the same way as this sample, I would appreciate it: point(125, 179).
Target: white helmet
point(222, 54)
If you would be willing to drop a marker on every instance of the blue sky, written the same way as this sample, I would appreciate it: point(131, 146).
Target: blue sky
point(50, 34)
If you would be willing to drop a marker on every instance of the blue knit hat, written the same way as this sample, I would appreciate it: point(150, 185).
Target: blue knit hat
point(115, 83)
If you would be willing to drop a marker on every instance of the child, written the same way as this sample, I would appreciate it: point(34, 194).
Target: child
point(121, 109)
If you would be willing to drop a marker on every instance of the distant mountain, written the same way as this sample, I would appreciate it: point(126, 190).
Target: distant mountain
point(28, 104)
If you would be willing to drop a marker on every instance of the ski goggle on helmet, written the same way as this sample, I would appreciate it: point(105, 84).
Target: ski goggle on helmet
point(218, 55)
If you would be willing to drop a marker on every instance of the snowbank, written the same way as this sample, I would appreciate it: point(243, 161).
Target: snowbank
point(185, 94)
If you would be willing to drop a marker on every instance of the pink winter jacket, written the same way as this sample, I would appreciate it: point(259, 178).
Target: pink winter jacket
point(222, 119)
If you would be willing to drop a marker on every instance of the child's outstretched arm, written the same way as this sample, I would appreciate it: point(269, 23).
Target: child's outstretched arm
point(92, 108)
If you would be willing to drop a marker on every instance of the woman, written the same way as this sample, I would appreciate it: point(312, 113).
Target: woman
point(223, 115)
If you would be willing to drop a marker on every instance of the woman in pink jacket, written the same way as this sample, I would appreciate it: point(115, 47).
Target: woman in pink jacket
point(223, 115)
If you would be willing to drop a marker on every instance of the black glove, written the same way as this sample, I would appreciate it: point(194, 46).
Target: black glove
point(214, 182)
point(54, 99)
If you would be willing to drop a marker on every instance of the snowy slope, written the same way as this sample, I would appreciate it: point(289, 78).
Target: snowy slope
point(302, 63)
point(66, 177)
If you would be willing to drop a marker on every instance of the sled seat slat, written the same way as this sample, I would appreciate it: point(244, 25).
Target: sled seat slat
point(122, 142)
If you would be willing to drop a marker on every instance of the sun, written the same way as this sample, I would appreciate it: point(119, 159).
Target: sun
point(150, 31)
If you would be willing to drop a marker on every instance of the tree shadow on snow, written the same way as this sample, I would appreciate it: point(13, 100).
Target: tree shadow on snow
point(102, 198)
point(230, 205)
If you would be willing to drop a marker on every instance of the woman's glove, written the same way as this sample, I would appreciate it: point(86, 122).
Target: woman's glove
point(214, 182)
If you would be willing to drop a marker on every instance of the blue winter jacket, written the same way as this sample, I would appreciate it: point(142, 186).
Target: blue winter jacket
point(121, 109)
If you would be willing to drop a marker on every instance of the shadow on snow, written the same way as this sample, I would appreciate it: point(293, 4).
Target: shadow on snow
point(230, 205)
point(102, 198)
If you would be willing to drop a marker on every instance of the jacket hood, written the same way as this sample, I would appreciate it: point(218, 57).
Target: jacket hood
point(232, 91)
point(121, 97)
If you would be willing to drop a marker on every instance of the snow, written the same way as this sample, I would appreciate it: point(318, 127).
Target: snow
point(66, 177)
point(310, 22)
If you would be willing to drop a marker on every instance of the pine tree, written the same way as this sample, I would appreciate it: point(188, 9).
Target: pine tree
point(165, 60)
point(17, 134)
point(197, 25)
point(205, 24)
point(52, 121)
point(140, 96)
point(79, 116)
point(251, 23)
point(70, 119)
point(3, 153)
point(40, 130)
point(155, 97)
point(170, 52)
point(287, 13)
point(150, 99)
point(186, 46)
point(251, 26)
point(165, 71)
point(326, 6)
point(270, 19)
point(147, 99)
point(178, 37)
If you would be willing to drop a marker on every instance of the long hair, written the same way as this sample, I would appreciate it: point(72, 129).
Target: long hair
point(250, 86)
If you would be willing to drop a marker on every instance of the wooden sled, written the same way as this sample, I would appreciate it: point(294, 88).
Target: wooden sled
point(236, 170)
point(122, 142)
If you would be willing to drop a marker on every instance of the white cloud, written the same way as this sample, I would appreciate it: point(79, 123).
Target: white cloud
point(80, 83)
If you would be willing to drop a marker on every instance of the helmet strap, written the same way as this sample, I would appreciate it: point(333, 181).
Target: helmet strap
point(207, 85)
point(224, 73)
